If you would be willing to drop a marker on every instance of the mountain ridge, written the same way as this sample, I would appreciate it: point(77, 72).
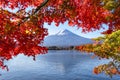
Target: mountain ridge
point(65, 38)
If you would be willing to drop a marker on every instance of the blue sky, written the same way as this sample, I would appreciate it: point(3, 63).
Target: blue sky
point(52, 29)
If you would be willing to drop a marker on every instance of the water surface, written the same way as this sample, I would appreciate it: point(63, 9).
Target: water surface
point(55, 65)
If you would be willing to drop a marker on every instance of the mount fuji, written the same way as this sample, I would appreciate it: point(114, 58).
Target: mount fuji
point(65, 38)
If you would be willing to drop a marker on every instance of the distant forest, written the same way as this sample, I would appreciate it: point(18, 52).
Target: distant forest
point(61, 48)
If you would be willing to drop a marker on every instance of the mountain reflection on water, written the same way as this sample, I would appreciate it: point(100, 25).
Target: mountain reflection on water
point(55, 65)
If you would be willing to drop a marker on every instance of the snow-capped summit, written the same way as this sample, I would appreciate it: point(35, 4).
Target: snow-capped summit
point(65, 38)
point(64, 32)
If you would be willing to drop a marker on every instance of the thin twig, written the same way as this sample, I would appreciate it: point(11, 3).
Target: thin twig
point(36, 10)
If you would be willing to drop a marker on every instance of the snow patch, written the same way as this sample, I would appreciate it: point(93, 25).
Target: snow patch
point(65, 38)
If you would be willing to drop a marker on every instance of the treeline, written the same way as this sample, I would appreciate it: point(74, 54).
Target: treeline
point(61, 48)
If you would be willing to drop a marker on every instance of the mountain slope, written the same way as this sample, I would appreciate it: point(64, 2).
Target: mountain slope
point(65, 38)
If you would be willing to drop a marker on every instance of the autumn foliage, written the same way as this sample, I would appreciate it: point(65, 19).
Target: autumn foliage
point(107, 47)
point(22, 22)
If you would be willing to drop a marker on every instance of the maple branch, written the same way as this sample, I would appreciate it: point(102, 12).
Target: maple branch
point(40, 6)
point(36, 10)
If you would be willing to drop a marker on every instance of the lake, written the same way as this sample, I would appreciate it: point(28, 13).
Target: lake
point(55, 65)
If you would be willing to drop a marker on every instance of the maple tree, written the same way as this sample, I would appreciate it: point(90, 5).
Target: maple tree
point(108, 46)
point(22, 29)
point(105, 47)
